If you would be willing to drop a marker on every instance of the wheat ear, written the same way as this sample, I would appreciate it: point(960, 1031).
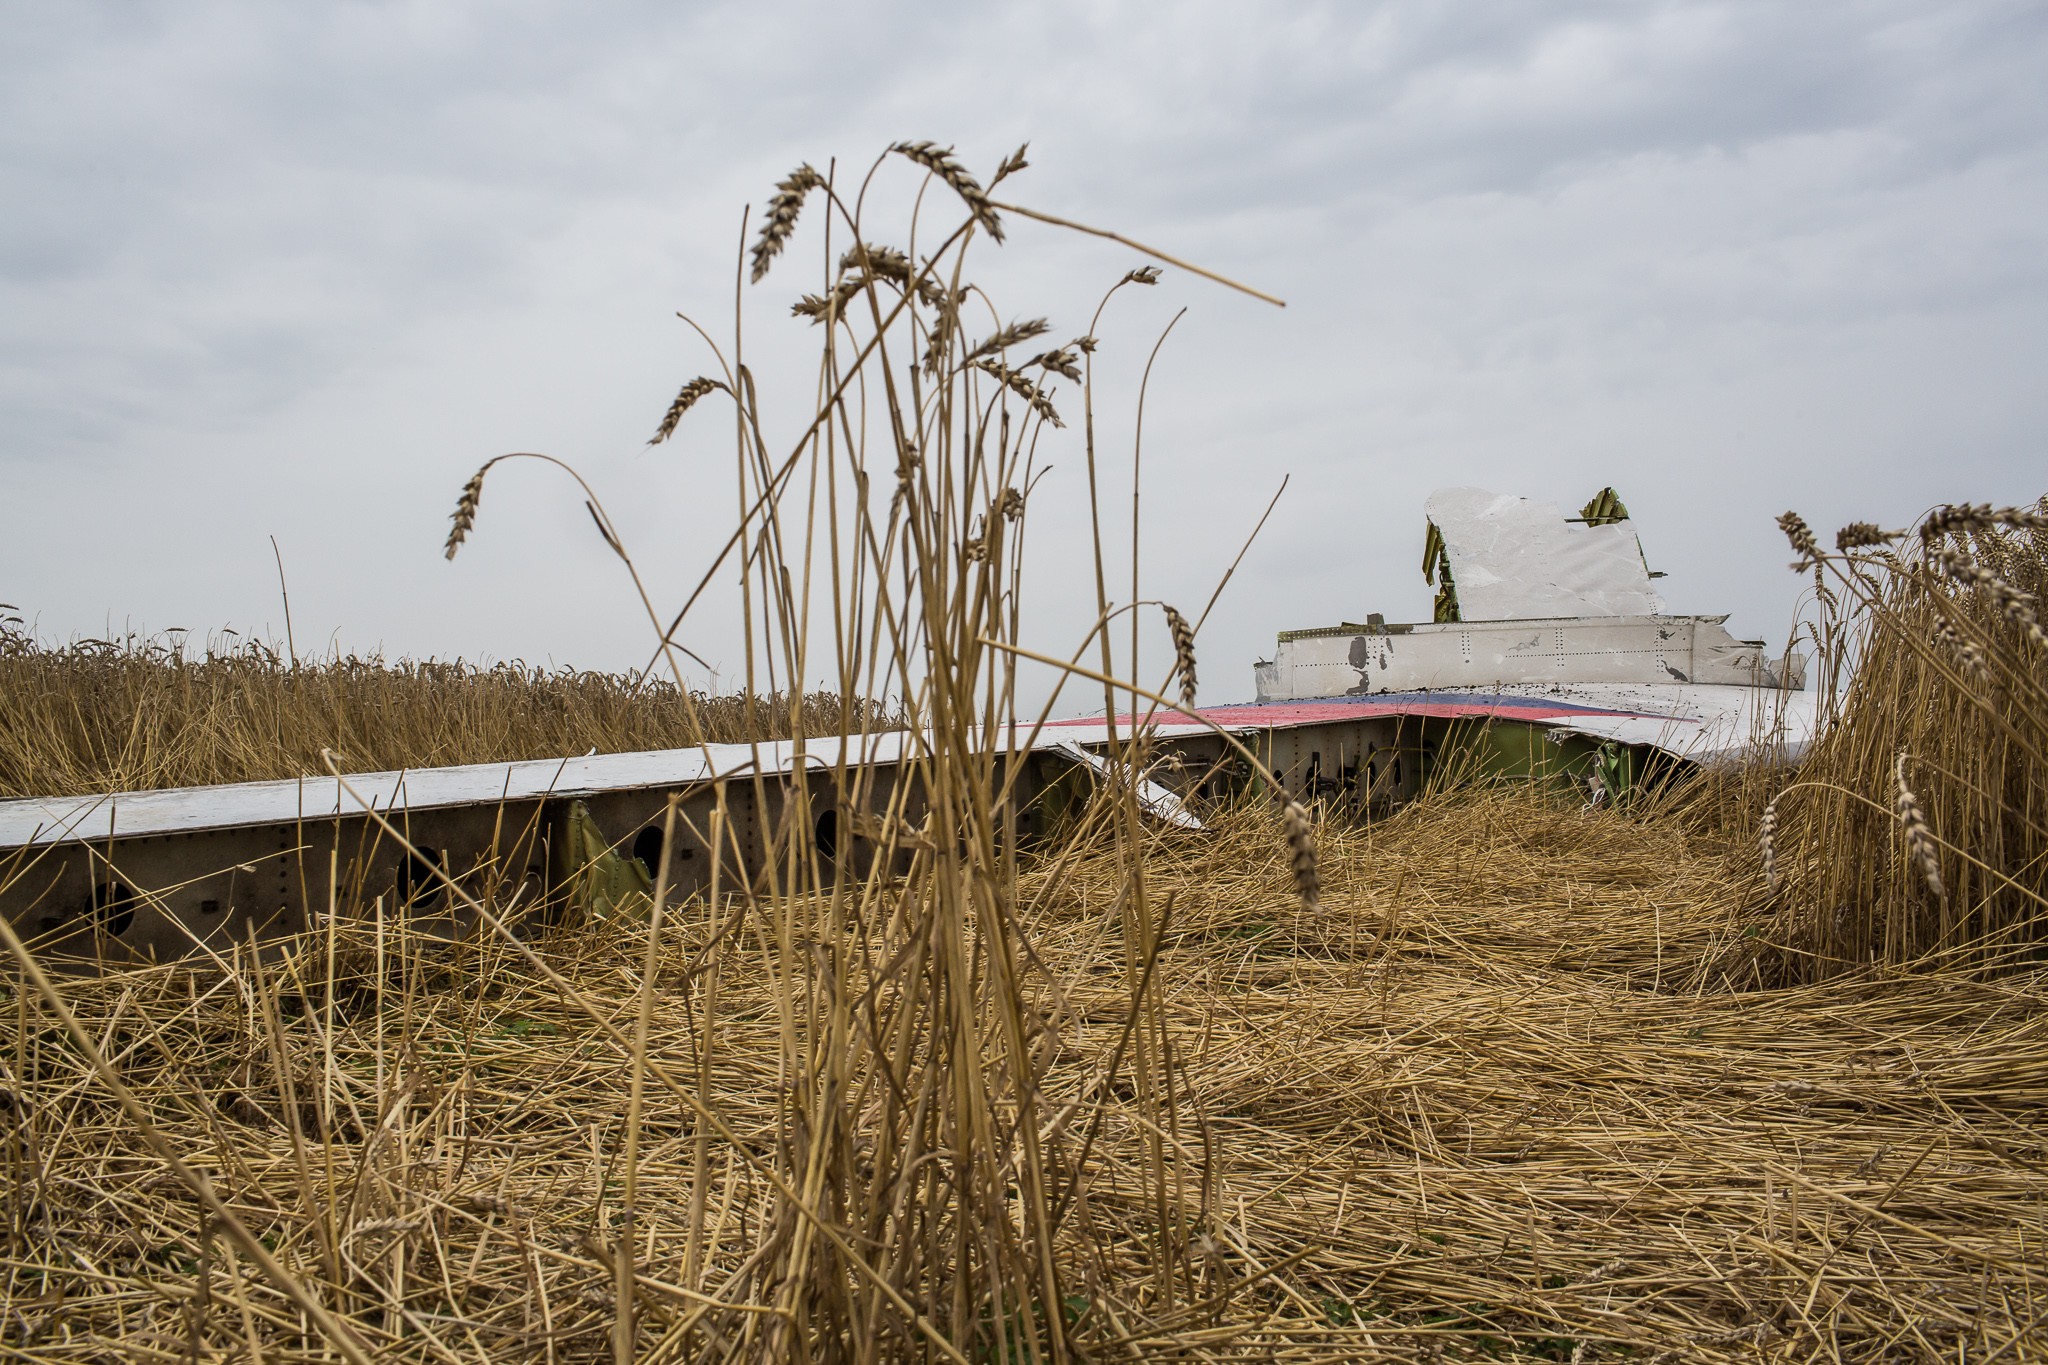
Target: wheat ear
point(1801, 535)
point(685, 400)
point(465, 509)
point(1859, 535)
point(1919, 842)
point(1301, 843)
point(1767, 843)
point(1023, 388)
point(1009, 336)
point(941, 163)
point(1060, 361)
point(781, 218)
point(1010, 167)
point(1966, 649)
point(2023, 518)
point(1183, 654)
point(887, 263)
point(1959, 519)
point(2017, 606)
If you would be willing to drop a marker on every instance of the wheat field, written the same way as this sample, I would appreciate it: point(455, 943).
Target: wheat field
point(100, 716)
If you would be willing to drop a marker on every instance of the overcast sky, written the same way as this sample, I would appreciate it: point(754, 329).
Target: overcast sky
point(297, 270)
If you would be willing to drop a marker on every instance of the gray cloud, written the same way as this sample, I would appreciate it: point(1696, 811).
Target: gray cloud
point(298, 271)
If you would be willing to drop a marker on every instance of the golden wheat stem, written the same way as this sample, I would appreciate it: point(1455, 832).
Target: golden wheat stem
point(624, 1045)
point(1932, 838)
point(1140, 246)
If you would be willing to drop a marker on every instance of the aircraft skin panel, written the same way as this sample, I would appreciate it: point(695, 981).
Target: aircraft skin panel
point(1519, 559)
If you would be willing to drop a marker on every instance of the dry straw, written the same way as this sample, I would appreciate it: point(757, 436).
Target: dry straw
point(1450, 1120)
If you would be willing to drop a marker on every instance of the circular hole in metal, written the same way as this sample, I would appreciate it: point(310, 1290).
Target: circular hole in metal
point(114, 905)
point(647, 848)
point(416, 879)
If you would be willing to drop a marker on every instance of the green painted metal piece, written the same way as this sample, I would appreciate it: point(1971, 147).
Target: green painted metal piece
point(1464, 753)
point(1616, 766)
point(1605, 509)
point(1061, 798)
point(1436, 567)
point(603, 883)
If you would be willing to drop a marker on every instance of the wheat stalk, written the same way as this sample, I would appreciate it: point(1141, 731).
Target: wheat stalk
point(377, 1225)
